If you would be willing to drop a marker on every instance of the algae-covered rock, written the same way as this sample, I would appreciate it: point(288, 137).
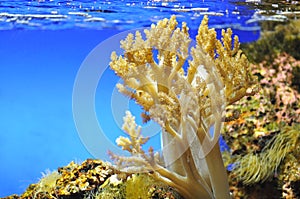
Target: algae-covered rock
point(278, 39)
point(96, 179)
point(263, 131)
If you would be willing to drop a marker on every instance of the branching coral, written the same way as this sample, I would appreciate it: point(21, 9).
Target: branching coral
point(186, 104)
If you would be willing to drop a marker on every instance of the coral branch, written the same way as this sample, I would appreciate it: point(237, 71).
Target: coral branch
point(186, 106)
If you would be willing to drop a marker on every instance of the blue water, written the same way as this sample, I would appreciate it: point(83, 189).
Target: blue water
point(54, 14)
point(42, 46)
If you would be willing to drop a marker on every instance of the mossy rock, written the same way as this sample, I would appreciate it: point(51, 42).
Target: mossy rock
point(282, 38)
point(98, 180)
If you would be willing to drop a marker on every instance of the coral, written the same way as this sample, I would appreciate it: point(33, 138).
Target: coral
point(94, 179)
point(137, 162)
point(255, 121)
point(263, 132)
point(290, 175)
point(260, 115)
point(185, 103)
point(71, 181)
point(77, 179)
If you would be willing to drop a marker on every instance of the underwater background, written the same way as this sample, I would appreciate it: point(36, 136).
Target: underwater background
point(42, 46)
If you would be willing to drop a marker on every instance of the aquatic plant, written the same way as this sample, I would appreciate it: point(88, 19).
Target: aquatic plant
point(253, 168)
point(44, 188)
point(185, 103)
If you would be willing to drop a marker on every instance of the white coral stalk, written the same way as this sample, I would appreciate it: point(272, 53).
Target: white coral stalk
point(186, 106)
